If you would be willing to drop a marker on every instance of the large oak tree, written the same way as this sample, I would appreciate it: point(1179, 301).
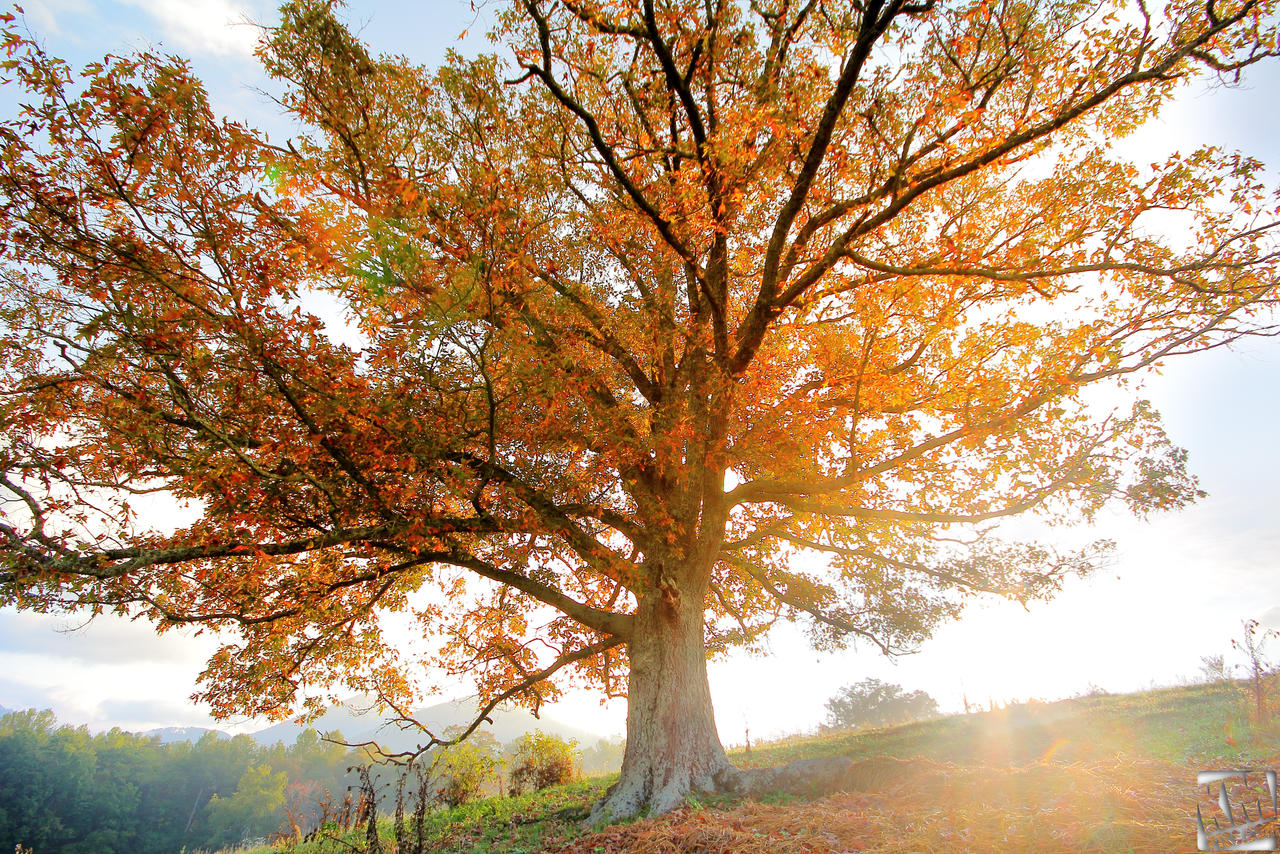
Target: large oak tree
point(678, 318)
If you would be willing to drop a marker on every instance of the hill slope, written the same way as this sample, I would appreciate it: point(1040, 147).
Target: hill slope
point(1101, 774)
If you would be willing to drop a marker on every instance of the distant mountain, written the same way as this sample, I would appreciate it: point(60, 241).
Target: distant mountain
point(358, 724)
point(170, 734)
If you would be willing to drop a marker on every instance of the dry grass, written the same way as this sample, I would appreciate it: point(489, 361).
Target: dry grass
point(1122, 805)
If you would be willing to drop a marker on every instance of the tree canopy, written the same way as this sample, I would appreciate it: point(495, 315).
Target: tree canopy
point(872, 702)
point(676, 319)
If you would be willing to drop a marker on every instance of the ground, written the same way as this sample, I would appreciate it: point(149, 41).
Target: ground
point(1090, 774)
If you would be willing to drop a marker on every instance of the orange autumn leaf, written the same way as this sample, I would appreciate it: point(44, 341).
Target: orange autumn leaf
point(678, 320)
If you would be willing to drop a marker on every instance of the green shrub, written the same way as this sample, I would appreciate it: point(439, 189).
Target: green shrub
point(542, 760)
point(461, 772)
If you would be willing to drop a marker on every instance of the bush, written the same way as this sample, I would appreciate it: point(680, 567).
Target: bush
point(1262, 676)
point(1213, 669)
point(542, 760)
point(460, 772)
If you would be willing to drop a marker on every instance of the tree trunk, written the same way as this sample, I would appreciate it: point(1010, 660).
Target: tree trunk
point(672, 744)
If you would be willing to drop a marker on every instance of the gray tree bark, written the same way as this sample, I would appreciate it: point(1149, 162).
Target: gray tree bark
point(672, 744)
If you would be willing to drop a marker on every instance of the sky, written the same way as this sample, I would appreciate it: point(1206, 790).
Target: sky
point(1178, 589)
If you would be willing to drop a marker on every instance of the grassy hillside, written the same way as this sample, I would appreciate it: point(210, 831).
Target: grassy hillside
point(1099, 773)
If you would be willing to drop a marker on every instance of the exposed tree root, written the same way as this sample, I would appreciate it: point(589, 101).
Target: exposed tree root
point(657, 793)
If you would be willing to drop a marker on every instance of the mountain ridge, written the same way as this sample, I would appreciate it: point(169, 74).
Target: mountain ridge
point(172, 734)
point(358, 724)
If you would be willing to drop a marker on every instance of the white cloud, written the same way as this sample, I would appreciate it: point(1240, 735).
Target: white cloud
point(46, 16)
point(219, 27)
point(106, 640)
point(142, 714)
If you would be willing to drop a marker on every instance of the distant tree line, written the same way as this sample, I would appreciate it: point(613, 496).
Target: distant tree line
point(66, 791)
